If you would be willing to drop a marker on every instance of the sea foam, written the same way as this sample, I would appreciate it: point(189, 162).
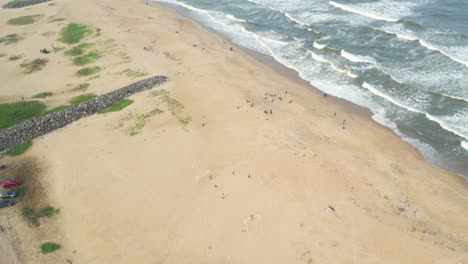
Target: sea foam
point(361, 12)
point(356, 58)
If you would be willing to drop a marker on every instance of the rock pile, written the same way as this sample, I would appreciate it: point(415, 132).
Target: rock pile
point(18, 4)
point(42, 125)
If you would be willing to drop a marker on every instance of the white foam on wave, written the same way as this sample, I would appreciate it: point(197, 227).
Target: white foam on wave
point(464, 145)
point(352, 75)
point(411, 37)
point(455, 97)
point(356, 58)
point(236, 19)
point(437, 120)
point(318, 57)
point(362, 12)
point(319, 46)
point(295, 19)
point(435, 48)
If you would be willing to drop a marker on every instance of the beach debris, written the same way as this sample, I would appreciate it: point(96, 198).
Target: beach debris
point(344, 122)
point(216, 185)
point(250, 176)
point(252, 104)
point(222, 196)
point(290, 101)
point(203, 124)
point(204, 50)
point(233, 172)
point(271, 111)
point(331, 208)
point(44, 51)
point(69, 261)
point(286, 92)
point(266, 112)
point(252, 218)
point(335, 114)
point(3, 167)
point(230, 49)
point(204, 175)
point(325, 95)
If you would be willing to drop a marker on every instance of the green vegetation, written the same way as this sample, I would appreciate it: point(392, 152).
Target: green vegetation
point(89, 57)
point(73, 33)
point(43, 95)
point(174, 106)
point(55, 109)
point(14, 113)
point(33, 66)
point(2, 54)
point(24, 20)
point(88, 71)
point(19, 149)
point(117, 106)
point(134, 73)
point(48, 34)
point(98, 32)
point(33, 216)
point(80, 87)
point(78, 50)
point(82, 98)
point(49, 247)
point(11, 39)
point(15, 57)
point(140, 121)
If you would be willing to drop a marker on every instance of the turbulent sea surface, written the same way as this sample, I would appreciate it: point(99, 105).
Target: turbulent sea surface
point(407, 61)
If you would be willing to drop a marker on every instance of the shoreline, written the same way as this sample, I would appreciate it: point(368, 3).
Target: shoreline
point(293, 75)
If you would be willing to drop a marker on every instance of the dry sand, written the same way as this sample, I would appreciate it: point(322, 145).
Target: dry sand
point(136, 199)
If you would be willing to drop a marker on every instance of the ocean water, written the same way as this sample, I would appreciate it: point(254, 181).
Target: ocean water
point(407, 61)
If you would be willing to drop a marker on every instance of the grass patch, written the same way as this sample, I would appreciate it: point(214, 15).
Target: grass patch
point(11, 39)
point(88, 58)
point(43, 95)
point(15, 57)
point(24, 20)
point(49, 247)
point(80, 87)
point(73, 33)
point(48, 34)
point(134, 73)
point(14, 113)
point(34, 66)
point(33, 216)
point(88, 71)
point(81, 98)
point(19, 149)
point(140, 121)
point(117, 106)
point(174, 106)
point(78, 50)
point(55, 109)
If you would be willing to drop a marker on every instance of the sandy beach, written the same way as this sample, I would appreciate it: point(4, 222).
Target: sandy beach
point(224, 171)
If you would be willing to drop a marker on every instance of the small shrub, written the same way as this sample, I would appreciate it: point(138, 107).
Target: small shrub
point(43, 95)
point(73, 33)
point(49, 247)
point(88, 71)
point(11, 39)
point(134, 73)
point(24, 20)
point(78, 50)
point(34, 66)
point(82, 98)
point(19, 149)
point(80, 87)
point(15, 57)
